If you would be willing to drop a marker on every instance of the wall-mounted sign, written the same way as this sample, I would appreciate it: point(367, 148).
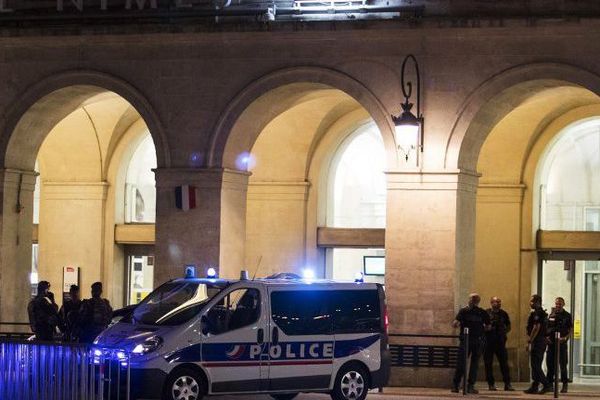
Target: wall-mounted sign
point(577, 329)
point(70, 277)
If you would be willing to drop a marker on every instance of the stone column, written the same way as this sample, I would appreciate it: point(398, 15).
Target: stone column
point(15, 252)
point(210, 235)
point(430, 236)
point(71, 233)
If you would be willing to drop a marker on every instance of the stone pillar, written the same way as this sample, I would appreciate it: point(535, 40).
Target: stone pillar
point(280, 247)
point(430, 234)
point(71, 233)
point(212, 234)
point(15, 251)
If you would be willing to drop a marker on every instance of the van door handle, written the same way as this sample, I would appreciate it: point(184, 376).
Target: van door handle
point(275, 336)
point(260, 336)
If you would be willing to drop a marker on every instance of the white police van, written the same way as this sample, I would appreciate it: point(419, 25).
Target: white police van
point(195, 337)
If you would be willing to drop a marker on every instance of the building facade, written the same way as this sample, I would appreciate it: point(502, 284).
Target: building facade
point(282, 127)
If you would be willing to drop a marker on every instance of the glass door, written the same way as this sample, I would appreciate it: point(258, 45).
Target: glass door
point(578, 282)
point(591, 325)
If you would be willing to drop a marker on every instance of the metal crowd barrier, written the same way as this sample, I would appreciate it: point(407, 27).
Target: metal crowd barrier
point(32, 370)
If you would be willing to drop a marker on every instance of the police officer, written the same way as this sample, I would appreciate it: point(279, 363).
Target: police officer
point(558, 321)
point(69, 314)
point(536, 344)
point(43, 313)
point(95, 315)
point(495, 344)
point(478, 321)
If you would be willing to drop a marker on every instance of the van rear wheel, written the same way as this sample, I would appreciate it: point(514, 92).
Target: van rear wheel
point(286, 396)
point(351, 383)
point(184, 384)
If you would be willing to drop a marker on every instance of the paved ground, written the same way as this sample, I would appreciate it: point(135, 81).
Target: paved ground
point(577, 392)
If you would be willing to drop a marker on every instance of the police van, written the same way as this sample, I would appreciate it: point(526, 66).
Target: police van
point(196, 337)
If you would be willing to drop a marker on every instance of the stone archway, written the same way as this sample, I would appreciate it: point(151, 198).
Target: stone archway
point(50, 100)
point(23, 128)
point(238, 128)
point(500, 94)
point(264, 119)
point(493, 136)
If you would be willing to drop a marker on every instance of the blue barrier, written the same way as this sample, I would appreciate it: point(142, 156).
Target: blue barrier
point(32, 370)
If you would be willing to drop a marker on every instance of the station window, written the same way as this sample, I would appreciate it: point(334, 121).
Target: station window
point(570, 172)
point(140, 185)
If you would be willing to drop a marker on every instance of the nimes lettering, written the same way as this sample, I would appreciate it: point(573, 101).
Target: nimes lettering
point(11, 6)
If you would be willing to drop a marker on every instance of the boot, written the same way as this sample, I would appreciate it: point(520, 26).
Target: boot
point(508, 388)
point(546, 389)
point(492, 387)
point(471, 389)
point(454, 389)
point(533, 389)
point(565, 387)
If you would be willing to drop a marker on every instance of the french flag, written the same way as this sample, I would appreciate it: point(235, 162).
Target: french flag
point(186, 197)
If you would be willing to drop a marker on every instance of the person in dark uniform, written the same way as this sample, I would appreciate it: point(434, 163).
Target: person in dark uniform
point(43, 313)
point(495, 344)
point(478, 321)
point(558, 321)
point(536, 344)
point(69, 314)
point(95, 315)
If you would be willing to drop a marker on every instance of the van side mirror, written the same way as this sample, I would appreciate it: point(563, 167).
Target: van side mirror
point(204, 325)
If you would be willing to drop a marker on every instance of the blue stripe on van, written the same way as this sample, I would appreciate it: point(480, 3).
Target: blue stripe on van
point(284, 351)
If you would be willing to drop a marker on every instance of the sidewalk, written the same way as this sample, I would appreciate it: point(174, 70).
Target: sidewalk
point(576, 391)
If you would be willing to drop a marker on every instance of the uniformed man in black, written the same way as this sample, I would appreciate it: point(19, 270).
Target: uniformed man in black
point(558, 321)
point(478, 321)
point(536, 345)
point(495, 344)
point(43, 313)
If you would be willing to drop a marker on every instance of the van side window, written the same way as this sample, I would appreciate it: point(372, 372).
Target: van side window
point(238, 309)
point(356, 311)
point(302, 312)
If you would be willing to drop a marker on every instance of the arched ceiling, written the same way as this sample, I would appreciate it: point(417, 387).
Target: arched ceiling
point(80, 146)
point(283, 150)
point(506, 148)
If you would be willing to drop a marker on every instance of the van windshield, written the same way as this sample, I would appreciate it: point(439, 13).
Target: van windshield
point(174, 303)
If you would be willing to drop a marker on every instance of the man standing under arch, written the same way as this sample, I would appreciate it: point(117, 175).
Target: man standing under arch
point(496, 344)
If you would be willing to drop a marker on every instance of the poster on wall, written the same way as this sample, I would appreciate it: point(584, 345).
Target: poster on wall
point(70, 277)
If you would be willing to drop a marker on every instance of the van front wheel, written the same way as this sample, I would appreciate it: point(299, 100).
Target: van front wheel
point(351, 383)
point(184, 384)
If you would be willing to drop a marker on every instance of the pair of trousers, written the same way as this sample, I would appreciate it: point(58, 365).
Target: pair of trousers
point(536, 357)
point(474, 353)
point(496, 346)
point(563, 360)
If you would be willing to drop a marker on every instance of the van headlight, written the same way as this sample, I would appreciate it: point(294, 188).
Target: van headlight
point(147, 346)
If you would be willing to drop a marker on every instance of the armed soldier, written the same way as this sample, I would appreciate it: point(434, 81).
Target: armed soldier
point(95, 315)
point(69, 314)
point(43, 313)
